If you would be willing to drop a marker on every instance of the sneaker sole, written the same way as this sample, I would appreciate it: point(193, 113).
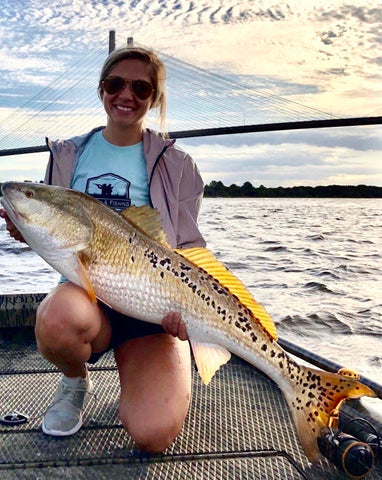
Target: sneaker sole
point(59, 433)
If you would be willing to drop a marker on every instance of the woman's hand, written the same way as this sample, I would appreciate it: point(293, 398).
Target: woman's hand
point(13, 232)
point(174, 325)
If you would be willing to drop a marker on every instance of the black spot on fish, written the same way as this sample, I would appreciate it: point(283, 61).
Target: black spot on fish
point(132, 259)
point(273, 353)
point(264, 347)
point(162, 274)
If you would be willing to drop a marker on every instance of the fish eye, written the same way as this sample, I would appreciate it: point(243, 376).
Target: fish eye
point(29, 193)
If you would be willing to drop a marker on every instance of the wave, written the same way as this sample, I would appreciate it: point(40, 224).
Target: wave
point(14, 250)
point(321, 287)
point(277, 248)
point(316, 237)
point(315, 325)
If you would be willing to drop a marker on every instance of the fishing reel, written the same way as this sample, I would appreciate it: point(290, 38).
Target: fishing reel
point(352, 449)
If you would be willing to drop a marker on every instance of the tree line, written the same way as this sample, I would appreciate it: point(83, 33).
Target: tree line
point(218, 189)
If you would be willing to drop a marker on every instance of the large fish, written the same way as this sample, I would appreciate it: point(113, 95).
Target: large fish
point(124, 260)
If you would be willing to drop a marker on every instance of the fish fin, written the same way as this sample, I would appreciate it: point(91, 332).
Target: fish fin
point(148, 221)
point(83, 279)
point(209, 357)
point(204, 258)
point(315, 401)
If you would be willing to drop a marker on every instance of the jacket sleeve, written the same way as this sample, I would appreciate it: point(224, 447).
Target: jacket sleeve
point(191, 189)
point(48, 171)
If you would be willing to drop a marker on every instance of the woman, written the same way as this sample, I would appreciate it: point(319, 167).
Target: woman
point(123, 164)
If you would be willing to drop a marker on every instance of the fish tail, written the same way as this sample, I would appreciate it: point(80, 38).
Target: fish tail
point(315, 398)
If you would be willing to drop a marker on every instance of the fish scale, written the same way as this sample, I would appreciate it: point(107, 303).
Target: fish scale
point(124, 261)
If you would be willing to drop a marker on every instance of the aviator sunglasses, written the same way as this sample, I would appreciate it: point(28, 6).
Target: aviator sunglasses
point(141, 89)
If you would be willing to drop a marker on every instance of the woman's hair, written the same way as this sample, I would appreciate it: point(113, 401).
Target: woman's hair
point(157, 72)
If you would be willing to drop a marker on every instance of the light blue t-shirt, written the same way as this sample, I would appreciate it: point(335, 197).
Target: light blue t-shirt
point(116, 176)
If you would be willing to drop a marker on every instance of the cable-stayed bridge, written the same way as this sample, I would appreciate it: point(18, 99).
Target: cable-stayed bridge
point(200, 102)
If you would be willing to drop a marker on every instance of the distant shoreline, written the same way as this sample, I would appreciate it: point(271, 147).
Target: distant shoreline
point(247, 190)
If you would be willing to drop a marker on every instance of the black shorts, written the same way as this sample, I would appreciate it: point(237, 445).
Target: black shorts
point(124, 328)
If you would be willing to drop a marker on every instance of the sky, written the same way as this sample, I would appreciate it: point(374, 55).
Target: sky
point(240, 61)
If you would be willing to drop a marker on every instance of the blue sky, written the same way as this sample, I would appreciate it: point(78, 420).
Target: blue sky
point(318, 55)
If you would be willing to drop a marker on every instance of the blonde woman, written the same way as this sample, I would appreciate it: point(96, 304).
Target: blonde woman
point(123, 164)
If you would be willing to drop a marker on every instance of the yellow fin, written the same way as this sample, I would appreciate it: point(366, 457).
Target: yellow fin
point(148, 221)
point(201, 257)
point(209, 358)
point(84, 280)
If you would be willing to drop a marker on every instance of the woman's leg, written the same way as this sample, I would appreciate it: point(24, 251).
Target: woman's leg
point(155, 376)
point(69, 326)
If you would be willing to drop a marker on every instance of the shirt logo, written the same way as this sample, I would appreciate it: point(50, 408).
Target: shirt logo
point(110, 189)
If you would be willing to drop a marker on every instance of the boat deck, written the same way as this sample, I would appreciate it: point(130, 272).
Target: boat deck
point(237, 427)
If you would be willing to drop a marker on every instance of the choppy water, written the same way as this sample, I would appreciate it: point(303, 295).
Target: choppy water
point(315, 264)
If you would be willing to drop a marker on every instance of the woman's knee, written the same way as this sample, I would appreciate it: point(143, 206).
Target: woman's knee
point(65, 313)
point(152, 435)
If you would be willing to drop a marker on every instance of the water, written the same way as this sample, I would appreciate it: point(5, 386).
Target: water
point(315, 264)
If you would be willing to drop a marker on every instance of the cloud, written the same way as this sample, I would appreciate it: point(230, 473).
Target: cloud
point(23, 167)
point(286, 164)
point(309, 53)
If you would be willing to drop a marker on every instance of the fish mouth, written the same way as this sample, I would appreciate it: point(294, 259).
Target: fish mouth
point(10, 209)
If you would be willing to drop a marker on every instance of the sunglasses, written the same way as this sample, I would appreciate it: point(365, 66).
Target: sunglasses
point(141, 89)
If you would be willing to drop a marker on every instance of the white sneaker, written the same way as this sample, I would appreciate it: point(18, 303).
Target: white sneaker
point(64, 415)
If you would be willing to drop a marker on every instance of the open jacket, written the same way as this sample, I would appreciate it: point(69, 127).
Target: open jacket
point(175, 185)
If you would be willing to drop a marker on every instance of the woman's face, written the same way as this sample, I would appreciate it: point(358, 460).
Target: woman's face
point(124, 109)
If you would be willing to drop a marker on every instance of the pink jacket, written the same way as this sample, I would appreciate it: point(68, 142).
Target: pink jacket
point(175, 185)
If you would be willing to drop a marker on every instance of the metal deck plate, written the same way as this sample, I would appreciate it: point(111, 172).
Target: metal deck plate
point(238, 427)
